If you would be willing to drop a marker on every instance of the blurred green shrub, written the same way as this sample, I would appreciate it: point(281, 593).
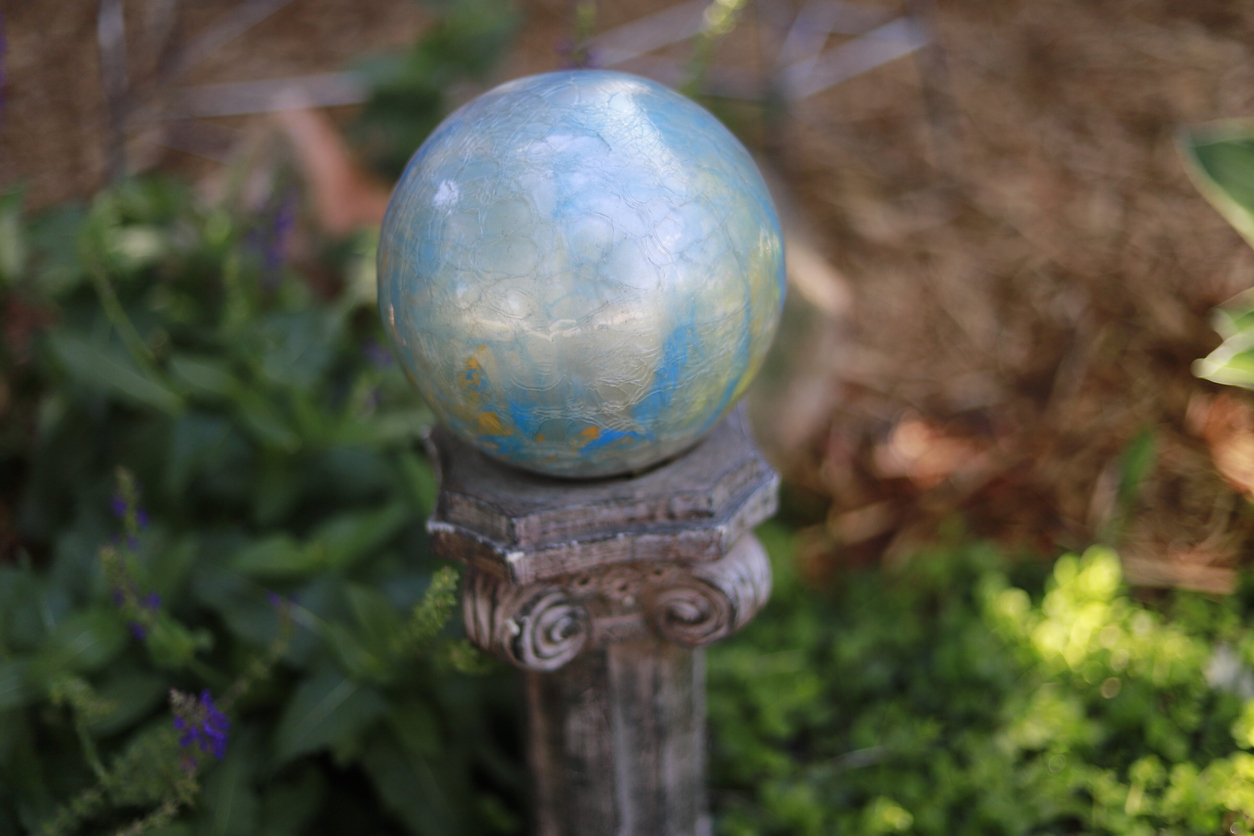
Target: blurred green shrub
point(410, 90)
point(948, 700)
point(273, 475)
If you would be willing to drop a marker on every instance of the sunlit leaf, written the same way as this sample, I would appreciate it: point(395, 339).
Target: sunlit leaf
point(1232, 363)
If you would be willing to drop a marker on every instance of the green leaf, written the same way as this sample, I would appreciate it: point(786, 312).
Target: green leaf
point(1136, 463)
point(289, 804)
point(133, 695)
point(390, 427)
point(1227, 366)
point(135, 247)
point(53, 238)
point(229, 797)
point(1232, 363)
point(242, 604)
point(21, 624)
point(205, 376)
point(345, 539)
point(167, 562)
point(263, 419)
point(1220, 160)
point(171, 646)
point(352, 654)
point(279, 555)
point(419, 481)
point(324, 712)
point(297, 347)
point(12, 237)
point(197, 442)
point(104, 368)
point(379, 622)
point(14, 692)
point(410, 787)
point(85, 641)
point(147, 768)
point(416, 726)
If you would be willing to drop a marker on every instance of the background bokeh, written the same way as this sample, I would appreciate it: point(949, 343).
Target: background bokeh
point(1000, 277)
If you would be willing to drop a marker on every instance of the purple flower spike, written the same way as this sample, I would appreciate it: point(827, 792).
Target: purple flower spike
point(214, 727)
point(152, 601)
point(271, 238)
point(202, 724)
point(137, 630)
point(118, 506)
point(141, 516)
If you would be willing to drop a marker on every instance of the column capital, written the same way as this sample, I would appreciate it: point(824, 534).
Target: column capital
point(543, 625)
point(557, 566)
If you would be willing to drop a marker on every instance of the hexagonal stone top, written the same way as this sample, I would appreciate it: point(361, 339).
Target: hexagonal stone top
point(525, 527)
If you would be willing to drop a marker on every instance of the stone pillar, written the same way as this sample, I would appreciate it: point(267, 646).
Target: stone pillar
point(604, 592)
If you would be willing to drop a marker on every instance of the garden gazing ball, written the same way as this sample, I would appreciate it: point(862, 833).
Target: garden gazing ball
point(581, 272)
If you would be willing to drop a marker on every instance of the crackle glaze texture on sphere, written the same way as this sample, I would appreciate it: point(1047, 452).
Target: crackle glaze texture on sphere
point(581, 271)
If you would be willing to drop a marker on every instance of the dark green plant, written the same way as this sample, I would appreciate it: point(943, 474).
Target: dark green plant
point(273, 475)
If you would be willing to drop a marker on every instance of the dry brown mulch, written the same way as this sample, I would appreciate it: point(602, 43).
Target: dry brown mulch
point(1031, 284)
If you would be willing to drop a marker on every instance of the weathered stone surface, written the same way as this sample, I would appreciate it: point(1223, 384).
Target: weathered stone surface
point(526, 528)
point(542, 626)
point(604, 592)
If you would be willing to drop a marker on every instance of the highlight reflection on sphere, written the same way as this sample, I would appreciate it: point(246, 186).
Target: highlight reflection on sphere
point(581, 271)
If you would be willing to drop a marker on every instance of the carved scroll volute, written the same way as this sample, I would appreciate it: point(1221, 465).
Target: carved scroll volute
point(536, 627)
point(542, 626)
point(710, 601)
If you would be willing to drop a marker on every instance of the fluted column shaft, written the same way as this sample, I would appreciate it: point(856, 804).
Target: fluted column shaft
point(617, 741)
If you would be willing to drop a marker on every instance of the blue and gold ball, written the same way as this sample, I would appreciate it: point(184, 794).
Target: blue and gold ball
point(581, 272)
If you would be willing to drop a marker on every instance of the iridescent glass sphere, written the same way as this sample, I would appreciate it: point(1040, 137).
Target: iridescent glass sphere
point(581, 272)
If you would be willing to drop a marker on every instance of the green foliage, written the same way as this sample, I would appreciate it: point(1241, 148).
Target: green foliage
point(717, 21)
point(1232, 363)
point(1220, 160)
point(949, 700)
point(409, 92)
point(262, 546)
